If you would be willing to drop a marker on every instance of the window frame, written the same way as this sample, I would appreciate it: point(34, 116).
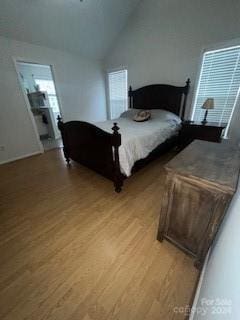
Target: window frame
point(49, 94)
point(215, 47)
point(112, 70)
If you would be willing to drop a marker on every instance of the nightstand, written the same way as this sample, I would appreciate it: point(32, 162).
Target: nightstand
point(211, 131)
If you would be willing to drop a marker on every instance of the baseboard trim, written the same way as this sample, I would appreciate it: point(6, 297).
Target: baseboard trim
point(199, 285)
point(21, 157)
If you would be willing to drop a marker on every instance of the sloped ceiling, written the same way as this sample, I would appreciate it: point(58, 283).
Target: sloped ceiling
point(88, 28)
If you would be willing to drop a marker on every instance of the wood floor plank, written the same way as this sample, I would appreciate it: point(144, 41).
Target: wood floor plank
point(72, 249)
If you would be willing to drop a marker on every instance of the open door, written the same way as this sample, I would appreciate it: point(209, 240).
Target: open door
point(37, 82)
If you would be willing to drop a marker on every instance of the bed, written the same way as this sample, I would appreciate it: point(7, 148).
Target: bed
point(117, 148)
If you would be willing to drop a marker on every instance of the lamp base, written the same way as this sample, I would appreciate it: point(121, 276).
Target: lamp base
point(205, 117)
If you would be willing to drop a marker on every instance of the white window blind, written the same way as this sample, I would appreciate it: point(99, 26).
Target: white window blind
point(118, 93)
point(219, 79)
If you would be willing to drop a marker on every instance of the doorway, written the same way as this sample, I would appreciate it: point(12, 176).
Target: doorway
point(37, 82)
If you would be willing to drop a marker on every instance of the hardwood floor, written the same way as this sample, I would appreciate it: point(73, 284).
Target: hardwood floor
point(73, 249)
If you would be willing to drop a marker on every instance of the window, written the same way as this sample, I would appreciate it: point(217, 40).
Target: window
point(118, 93)
point(48, 86)
point(219, 79)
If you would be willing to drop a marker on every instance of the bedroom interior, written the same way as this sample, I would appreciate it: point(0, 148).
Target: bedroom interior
point(134, 214)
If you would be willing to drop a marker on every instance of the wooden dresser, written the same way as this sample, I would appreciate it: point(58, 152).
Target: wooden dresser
point(201, 181)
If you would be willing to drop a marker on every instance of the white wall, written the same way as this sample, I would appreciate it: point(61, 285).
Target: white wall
point(221, 280)
point(80, 83)
point(164, 39)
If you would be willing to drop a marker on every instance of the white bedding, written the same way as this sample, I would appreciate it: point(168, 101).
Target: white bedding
point(140, 138)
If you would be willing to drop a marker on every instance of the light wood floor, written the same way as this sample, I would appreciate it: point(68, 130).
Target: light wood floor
point(72, 249)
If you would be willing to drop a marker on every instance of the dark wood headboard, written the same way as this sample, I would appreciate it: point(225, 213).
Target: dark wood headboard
point(160, 96)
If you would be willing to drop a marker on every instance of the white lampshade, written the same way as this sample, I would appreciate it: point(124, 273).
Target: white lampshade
point(208, 104)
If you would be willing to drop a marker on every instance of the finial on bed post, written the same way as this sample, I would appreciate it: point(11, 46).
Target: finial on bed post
point(187, 87)
point(60, 122)
point(115, 128)
point(116, 142)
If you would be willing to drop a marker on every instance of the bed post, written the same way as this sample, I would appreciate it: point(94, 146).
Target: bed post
point(130, 95)
point(61, 127)
point(116, 141)
point(186, 90)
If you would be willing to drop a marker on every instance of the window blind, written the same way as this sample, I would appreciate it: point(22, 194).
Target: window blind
point(219, 79)
point(118, 93)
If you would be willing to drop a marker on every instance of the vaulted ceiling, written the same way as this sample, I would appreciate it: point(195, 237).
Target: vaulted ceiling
point(88, 27)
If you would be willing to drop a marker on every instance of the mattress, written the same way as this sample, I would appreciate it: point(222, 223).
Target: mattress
point(140, 138)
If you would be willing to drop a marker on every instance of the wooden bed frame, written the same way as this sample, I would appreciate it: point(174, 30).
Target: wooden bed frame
point(99, 150)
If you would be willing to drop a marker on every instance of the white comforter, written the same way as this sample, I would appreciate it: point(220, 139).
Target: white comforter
point(140, 138)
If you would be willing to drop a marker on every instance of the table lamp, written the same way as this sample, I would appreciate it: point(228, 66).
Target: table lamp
point(208, 104)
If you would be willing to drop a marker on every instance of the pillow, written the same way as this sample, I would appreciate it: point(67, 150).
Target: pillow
point(130, 113)
point(165, 115)
point(156, 114)
point(142, 115)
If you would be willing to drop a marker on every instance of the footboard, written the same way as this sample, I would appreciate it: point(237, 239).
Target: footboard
point(93, 147)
